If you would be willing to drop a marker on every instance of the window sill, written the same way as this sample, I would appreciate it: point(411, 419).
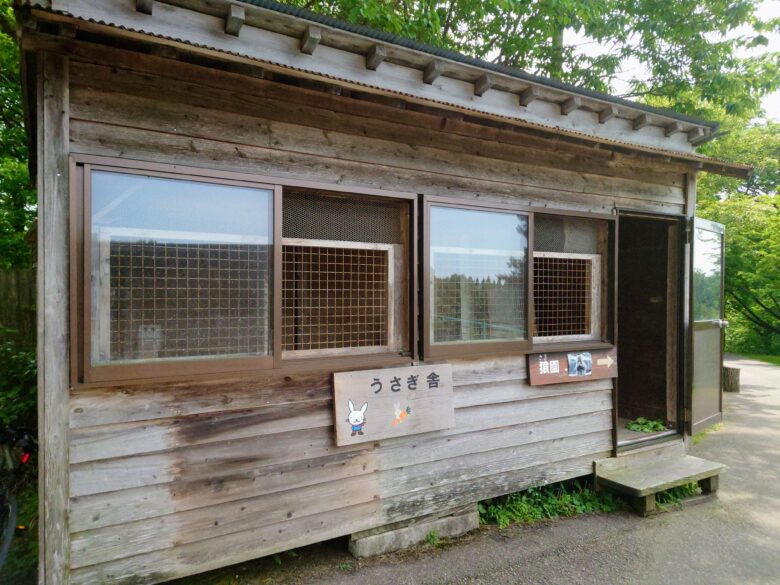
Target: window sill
point(570, 346)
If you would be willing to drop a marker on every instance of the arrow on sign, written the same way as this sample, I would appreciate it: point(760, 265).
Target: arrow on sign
point(607, 361)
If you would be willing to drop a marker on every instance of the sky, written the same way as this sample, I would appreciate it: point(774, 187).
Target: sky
point(766, 10)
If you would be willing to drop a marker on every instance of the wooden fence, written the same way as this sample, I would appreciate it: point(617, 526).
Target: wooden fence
point(17, 304)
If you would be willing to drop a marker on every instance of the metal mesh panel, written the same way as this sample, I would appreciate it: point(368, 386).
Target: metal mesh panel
point(562, 296)
point(488, 304)
point(177, 299)
point(316, 216)
point(565, 234)
point(334, 298)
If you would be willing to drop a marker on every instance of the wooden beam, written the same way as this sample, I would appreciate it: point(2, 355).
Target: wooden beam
point(53, 318)
point(529, 94)
point(571, 104)
point(641, 121)
point(607, 114)
point(311, 38)
point(144, 6)
point(235, 19)
point(432, 72)
point(483, 83)
point(697, 136)
point(376, 54)
point(673, 128)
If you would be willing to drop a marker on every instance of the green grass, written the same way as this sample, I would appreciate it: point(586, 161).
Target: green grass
point(646, 425)
point(564, 499)
point(673, 498)
point(699, 437)
point(433, 538)
point(770, 359)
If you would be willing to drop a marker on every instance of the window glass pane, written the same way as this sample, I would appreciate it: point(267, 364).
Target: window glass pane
point(478, 275)
point(706, 275)
point(180, 269)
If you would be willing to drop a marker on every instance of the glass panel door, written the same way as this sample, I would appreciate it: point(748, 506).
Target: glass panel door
point(708, 323)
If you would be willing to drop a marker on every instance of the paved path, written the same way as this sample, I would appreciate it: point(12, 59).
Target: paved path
point(734, 539)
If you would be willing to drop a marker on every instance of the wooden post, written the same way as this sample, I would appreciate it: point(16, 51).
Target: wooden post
point(53, 342)
point(730, 379)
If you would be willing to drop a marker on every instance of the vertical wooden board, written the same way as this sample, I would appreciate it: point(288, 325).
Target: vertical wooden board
point(392, 402)
point(53, 316)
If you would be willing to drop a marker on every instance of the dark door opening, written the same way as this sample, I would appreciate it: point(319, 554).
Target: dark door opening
point(648, 328)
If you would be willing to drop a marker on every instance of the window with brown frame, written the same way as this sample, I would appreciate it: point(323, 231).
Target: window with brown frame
point(179, 269)
point(568, 284)
point(477, 284)
point(344, 283)
point(196, 272)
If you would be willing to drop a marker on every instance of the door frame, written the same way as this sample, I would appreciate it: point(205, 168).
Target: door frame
point(684, 330)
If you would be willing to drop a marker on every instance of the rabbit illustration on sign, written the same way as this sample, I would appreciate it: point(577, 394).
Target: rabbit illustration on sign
point(357, 418)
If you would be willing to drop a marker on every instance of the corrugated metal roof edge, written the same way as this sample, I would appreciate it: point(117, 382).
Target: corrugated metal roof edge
point(737, 169)
point(408, 43)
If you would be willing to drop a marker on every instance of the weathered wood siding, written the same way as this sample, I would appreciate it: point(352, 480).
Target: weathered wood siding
point(178, 478)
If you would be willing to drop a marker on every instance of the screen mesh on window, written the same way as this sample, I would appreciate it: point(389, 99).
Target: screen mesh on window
point(334, 298)
point(182, 299)
point(562, 296)
point(338, 257)
point(567, 268)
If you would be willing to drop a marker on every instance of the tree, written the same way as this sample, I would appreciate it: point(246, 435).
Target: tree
point(752, 288)
point(690, 49)
point(17, 197)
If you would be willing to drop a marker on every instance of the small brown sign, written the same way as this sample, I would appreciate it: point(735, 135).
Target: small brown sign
point(571, 366)
point(393, 402)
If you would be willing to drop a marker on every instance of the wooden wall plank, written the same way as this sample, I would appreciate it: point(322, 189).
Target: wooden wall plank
point(110, 441)
point(132, 143)
point(53, 316)
point(247, 456)
point(149, 436)
point(102, 510)
point(300, 133)
point(237, 547)
point(93, 84)
point(118, 404)
point(130, 539)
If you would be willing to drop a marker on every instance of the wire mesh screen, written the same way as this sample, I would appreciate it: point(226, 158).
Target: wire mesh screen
point(334, 297)
point(562, 296)
point(480, 297)
point(317, 216)
point(178, 299)
point(554, 233)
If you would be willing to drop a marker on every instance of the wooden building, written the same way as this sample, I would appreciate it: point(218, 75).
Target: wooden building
point(241, 202)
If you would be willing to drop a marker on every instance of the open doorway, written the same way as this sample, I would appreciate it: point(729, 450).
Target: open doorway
point(648, 328)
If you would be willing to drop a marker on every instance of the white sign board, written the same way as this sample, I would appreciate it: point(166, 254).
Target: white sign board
point(393, 402)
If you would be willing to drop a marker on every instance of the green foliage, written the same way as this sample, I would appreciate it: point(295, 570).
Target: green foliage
point(646, 425)
point(18, 394)
point(551, 501)
point(17, 197)
point(347, 567)
point(433, 538)
point(22, 563)
point(692, 49)
point(673, 498)
point(752, 277)
point(770, 359)
point(699, 437)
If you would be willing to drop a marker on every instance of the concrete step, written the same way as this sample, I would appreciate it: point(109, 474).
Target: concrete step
point(641, 479)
